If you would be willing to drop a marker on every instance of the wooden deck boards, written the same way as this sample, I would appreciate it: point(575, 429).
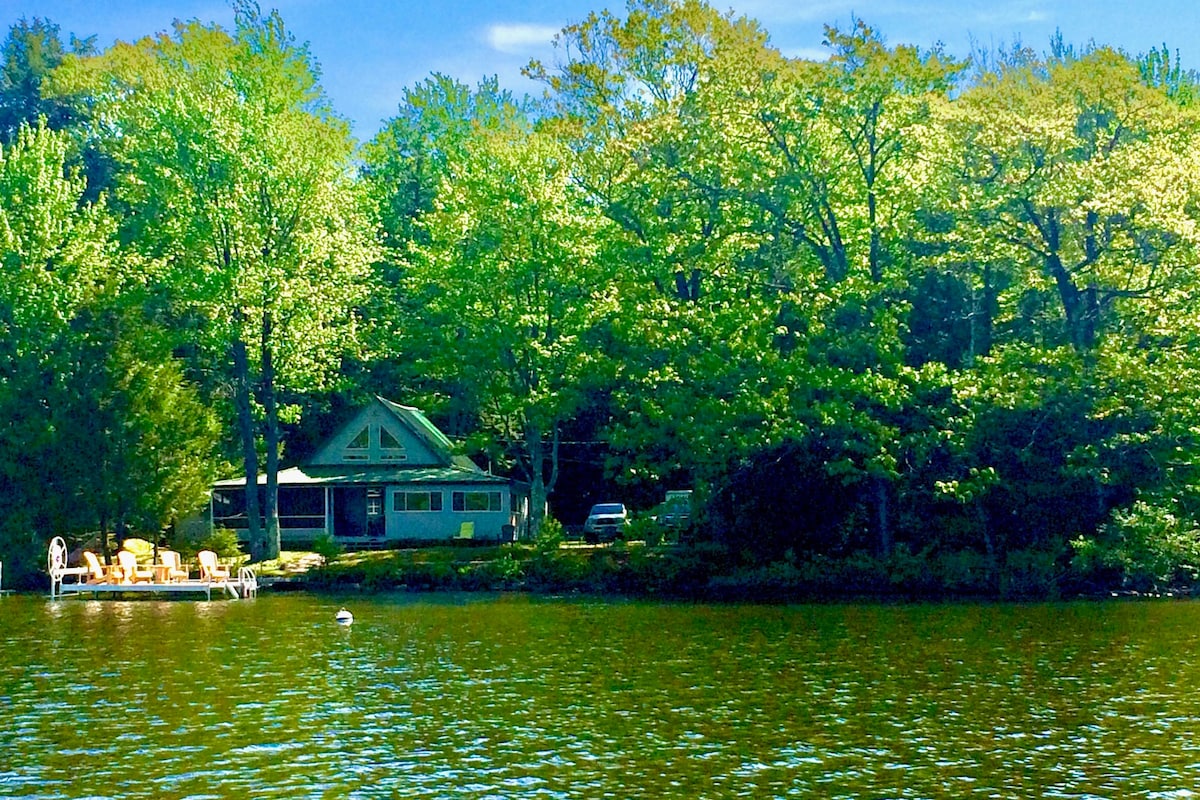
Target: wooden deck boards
point(236, 587)
point(166, 588)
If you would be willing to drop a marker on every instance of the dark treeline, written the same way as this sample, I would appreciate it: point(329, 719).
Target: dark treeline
point(893, 306)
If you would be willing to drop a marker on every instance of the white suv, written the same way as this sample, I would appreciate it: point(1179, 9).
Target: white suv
point(605, 521)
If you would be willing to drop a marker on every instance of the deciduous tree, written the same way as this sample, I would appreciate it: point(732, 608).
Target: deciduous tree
point(237, 177)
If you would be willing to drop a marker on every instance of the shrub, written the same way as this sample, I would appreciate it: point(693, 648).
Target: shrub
point(24, 563)
point(1031, 573)
point(550, 535)
point(787, 496)
point(963, 572)
point(1145, 547)
point(557, 571)
point(223, 542)
point(327, 548)
point(504, 572)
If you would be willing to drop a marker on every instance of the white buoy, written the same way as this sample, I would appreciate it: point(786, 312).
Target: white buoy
point(344, 617)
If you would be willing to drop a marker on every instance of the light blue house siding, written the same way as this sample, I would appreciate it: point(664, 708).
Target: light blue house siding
point(437, 511)
point(385, 477)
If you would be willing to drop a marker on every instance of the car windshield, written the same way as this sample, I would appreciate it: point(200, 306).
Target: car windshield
point(608, 508)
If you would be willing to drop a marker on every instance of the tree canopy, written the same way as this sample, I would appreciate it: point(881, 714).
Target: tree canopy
point(887, 302)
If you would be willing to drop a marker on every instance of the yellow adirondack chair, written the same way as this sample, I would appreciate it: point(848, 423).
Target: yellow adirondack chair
point(172, 566)
point(98, 572)
point(210, 570)
point(130, 571)
point(466, 531)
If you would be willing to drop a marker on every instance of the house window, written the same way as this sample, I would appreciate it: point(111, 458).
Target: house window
point(390, 448)
point(476, 501)
point(374, 502)
point(357, 450)
point(417, 501)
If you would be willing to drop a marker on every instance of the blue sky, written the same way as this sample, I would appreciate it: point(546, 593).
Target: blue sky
point(370, 50)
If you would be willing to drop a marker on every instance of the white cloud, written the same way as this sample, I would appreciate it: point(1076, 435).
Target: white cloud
point(519, 38)
point(1017, 13)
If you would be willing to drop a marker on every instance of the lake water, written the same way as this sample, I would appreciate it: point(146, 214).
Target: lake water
point(510, 697)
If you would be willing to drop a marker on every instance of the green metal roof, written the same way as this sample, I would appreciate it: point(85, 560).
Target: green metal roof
point(426, 431)
point(455, 469)
point(350, 474)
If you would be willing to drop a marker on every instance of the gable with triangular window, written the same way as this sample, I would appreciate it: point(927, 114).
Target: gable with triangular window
point(391, 449)
point(386, 433)
point(358, 448)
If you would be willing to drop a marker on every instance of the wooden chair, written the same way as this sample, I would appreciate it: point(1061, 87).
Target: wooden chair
point(171, 566)
point(98, 571)
point(466, 531)
point(210, 570)
point(130, 571)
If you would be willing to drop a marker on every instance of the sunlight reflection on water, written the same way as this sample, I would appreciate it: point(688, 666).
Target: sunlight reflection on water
point(515, 698)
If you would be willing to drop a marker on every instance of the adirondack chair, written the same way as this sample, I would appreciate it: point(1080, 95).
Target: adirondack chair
point(130, 571)
point(98, 571)
point(210, 570)
point(171, 567)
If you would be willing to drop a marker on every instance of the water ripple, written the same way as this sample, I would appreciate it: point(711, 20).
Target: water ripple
point(515, 699)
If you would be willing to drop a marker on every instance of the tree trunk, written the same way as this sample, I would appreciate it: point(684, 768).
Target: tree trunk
point(883, 517)
point(989, 545)
point(540, 487)
point(1079, 307)
point(245, 419)
point(271, 441)
point(105, 551)
point(537, 481)
point(875, 254)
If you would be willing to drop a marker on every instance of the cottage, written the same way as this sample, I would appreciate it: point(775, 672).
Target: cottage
point(387, 476)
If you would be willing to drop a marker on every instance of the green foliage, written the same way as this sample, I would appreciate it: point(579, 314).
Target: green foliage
point(327, 548)
point(910, 333)
point(801, 495)
point(30, 53)
point(425, 144)
point(549, 536)
point(1032, 573)
point(514, 295)
point(643, 529)
point(505, 572)
point(24, 559)
point(105, 433)
point(224, 542)
point(1163, 71)
point(557, 571)
point(236, 179)
point(1144, 547)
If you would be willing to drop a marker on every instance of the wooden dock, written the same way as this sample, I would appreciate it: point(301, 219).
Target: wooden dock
point(245, 585)
point(66, 580)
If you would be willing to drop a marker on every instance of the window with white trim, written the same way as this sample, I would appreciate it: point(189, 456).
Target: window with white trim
point(374, 502)
point(359, 447)
point(476, 501)
point(390, 448)
point(417, 501)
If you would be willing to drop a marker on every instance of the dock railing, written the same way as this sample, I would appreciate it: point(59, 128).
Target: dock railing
point(60, 574)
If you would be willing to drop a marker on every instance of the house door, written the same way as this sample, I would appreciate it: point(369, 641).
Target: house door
point(350, 512)
point(375, 519)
